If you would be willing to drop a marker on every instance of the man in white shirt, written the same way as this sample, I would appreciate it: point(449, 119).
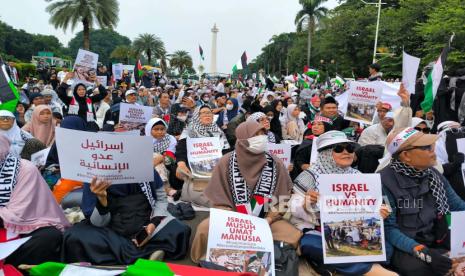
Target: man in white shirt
point(220, 86)
point(377, 133)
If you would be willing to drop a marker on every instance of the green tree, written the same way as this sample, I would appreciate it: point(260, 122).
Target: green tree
point(181, 60)
point(102, 42)
point(68, 13)
point(123, 53)
point(308, 18)
point(150, 45)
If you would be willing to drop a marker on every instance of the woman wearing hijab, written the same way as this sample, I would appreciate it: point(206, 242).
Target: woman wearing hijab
point(201, 126)
point(263, 120)
point(164, 148)
point(421, 199)
point(16, 136)
point(304, 152)
point(293, 127)
point(312, 108)
point(119, 214)
point(79, 103)
point(27, 209)
point(275, 123)
point(232, 108)
point(246, 166)
point(42, 125)
point(335, 156)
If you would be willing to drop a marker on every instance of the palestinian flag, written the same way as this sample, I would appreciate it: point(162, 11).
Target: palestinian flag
point(311, 72)
point(138, 71)
point(340, 81)
point(434, 79)
point(303, 82)
point(201, 53)
point(9, 95)
point(241, 64)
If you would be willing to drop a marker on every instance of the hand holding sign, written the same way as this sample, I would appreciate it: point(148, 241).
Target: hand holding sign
point(404, 95)
point(99, 188)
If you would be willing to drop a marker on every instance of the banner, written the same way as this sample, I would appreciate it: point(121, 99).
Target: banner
point(134, 116)
point(119, 158)
point(457, 235)
point(130, 69)
point(117, 70)
point(352, 226)
point(85, 67)
point(363, 97)
point(39, 158)
point(102, 80)
point(240, 242)
point(282, 151)
point(203, 155)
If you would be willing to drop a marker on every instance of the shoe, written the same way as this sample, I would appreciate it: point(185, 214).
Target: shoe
point(174, 210)
point(187, 211)
point(158, 255)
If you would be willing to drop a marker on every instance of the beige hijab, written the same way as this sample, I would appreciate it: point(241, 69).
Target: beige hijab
point(250, 165)
point(45, 132)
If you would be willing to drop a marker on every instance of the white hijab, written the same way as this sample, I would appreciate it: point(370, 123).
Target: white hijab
point(15, 135)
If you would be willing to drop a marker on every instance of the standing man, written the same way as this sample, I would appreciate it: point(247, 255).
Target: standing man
point(375, 74)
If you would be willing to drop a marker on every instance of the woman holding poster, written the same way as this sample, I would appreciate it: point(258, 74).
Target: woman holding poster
point(248, 170)
point(335, 156)
point(421, 200)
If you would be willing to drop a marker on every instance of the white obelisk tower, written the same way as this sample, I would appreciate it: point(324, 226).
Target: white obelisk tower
point(213, 69)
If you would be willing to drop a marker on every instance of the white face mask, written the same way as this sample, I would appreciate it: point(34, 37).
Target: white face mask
point(258, 144)
point(182, 118)
point(229, 107)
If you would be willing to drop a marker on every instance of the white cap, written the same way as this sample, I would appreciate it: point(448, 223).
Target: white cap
point(332, 137)
point(389, 115)
point(416, 121)
point(129, 92)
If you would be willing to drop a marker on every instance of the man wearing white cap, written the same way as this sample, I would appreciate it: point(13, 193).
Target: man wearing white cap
point(377, 133)
point(421, 200)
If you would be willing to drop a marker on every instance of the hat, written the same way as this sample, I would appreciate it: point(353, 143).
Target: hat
point(130, 92)
point(389, 115)
point(416, 121)
point(386, 106)
point(401, 139)
point(319, 118)
point(141, 87)
point(328, 100)
point(32, 96)
point(447, 125)
point(47, 92)
point(330, 138)
point(7, 113)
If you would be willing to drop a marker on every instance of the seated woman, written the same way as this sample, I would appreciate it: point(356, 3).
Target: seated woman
point(119, 213)
point(16, 136)
point(42, 125)
point(201, 126)
point(419, 233)
point(293, 127)
point(246, 164)
point(164, 147)
point(27, 209)
point(335, 156)
point(263, 120)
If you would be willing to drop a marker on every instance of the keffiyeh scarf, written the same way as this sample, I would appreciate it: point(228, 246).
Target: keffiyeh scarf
point(198, 130)
point(160, 146)
point(9, 170)
point(435, 184)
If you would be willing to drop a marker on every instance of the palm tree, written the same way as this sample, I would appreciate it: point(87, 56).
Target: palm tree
point(309, 16)
point(151, 45)
point(68, 13)
point(123, 53)
point(181, 60)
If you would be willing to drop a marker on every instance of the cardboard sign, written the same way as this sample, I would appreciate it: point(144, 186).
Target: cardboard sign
point(121, 159)
point(39, 158)
point(85, 67)
point(203, 155)
point(282, 151)
point(353, 229)
point(134, 116)
point(117, 70)
point(410, 66)
point(363, 97)
point(240, 242)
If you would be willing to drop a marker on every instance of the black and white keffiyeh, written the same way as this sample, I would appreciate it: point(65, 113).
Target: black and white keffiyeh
point(9, 169)
point(198, 130)
point(161, 145)
point(435, 184)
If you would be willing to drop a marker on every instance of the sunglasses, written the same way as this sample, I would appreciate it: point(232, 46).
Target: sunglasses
point(425, 130)
point(350, 148)
point(426, 148)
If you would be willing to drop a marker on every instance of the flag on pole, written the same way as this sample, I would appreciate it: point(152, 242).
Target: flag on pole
point(434, 78)
point(241, 64)
point(340, 81)
point(201, 53)
point(138, 71)
point(9, 95)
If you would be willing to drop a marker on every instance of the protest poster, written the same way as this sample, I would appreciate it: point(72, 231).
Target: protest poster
point(410, 66)
point(240, 242)
point(39, 158)
point(203, 155)
point(134, 116)
point(282, 151)
point(352, 226)
point(130, 71)
point(102, 80)
point(85, 67)
point(362, 100)
point(119, 158)
point(117, 70)
point(457, 235)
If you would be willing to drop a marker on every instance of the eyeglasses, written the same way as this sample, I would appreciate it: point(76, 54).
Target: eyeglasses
point(425, 130)
point(350, 148)
point(6, 118)
point(426, 148)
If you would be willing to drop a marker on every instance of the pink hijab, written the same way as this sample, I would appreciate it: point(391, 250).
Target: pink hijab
point(31, 204)
point(45, 132)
